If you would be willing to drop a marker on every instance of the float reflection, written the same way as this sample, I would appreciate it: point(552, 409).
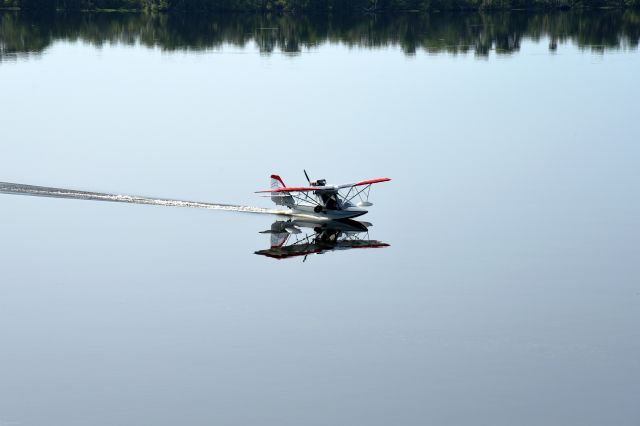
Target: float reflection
point(303, 237)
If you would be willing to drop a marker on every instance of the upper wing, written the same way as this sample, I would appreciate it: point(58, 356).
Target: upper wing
point(320, 188)
point(363, 182)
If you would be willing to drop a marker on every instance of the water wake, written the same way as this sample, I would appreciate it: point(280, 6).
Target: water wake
point(42, 191)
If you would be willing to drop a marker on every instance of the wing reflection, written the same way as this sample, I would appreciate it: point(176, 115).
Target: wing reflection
point(294, 237)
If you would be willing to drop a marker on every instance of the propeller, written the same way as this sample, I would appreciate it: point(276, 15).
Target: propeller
point(307, 176)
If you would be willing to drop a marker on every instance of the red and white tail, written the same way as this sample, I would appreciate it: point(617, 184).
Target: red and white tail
point(281, 199)
point(276, 182)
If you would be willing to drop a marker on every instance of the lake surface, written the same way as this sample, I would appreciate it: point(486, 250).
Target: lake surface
point(509, 292)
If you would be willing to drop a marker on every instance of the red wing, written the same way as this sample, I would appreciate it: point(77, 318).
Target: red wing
point(318, 188)
point(363, 182)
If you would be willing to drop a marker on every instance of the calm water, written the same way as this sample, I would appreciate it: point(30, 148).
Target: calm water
point(510, 289)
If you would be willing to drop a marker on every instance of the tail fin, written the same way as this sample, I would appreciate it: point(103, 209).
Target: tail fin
point(281, 199)
point(276, 182)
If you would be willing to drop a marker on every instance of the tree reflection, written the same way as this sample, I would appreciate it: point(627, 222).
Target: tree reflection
point(479, 33)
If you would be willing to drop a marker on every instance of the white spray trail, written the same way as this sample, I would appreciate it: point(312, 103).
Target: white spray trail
point(42, 191)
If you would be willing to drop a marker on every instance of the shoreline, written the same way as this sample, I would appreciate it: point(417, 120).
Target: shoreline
point(265, 11)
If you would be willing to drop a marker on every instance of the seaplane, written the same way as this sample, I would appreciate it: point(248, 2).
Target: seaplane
point(303, 237)
point(320, 200)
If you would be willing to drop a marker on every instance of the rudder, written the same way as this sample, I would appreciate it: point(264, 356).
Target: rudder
point(280, 198)
point(276, 182)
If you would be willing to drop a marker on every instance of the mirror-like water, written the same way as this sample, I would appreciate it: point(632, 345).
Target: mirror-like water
point(499, 283)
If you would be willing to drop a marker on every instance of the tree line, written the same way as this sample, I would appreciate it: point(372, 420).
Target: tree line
point(309, 6)
point(453, 33)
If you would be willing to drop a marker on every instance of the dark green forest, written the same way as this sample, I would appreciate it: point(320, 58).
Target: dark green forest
point(310, 6)
point(479, 33)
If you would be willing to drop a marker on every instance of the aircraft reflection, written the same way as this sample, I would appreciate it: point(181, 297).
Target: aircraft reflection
point(296, 237)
